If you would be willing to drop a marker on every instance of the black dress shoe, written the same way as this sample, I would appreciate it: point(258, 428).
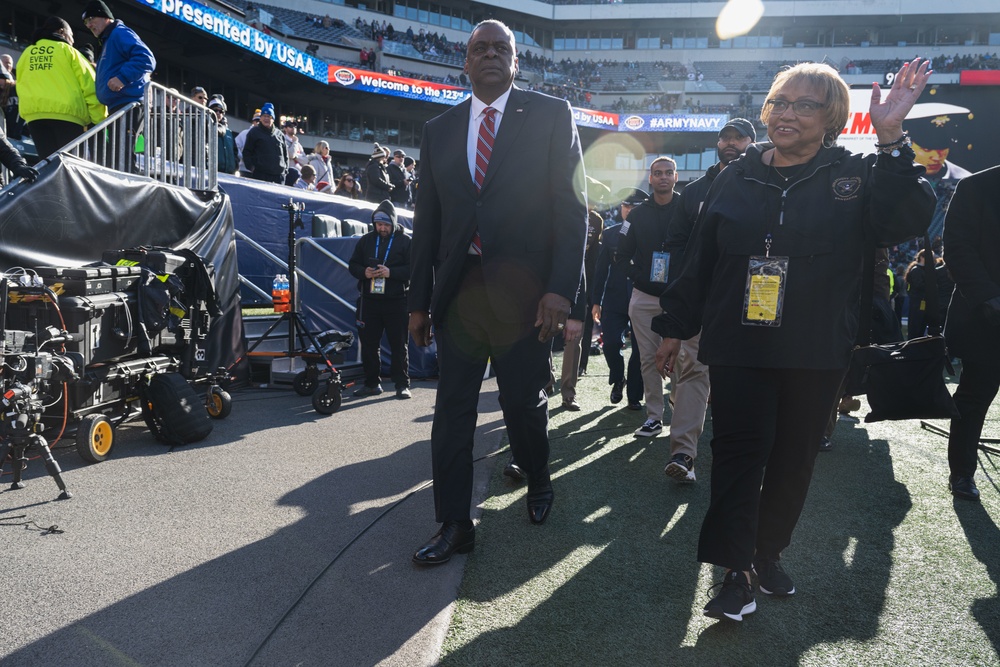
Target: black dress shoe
point(963, 487)
point(514, 472)
point(453, 538)
point(617, 391)
point(540, 496)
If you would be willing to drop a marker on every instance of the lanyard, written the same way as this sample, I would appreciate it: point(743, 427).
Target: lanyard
point(388, 247)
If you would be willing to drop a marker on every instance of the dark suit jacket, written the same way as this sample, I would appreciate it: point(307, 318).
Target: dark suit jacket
point(531, 213)
point(971, 252)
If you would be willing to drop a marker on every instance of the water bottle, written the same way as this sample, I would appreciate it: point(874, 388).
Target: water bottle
point(284, 302)
point(276, 293)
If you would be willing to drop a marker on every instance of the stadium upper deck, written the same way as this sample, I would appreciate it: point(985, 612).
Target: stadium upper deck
point(662, 54)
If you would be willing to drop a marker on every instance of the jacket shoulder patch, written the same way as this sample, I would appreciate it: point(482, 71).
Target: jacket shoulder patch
point(847, 187)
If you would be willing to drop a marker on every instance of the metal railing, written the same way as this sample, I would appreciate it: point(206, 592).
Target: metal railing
point(167, 137)
point(282, 265)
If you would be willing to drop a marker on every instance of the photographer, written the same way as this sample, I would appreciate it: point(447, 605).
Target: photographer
point(381, 263)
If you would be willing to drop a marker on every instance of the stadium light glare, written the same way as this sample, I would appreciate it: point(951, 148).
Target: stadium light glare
point(738, 17)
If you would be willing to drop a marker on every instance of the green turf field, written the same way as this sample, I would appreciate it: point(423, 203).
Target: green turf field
point(889, 568)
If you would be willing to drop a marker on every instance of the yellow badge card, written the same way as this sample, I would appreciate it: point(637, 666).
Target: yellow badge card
point(764, 299)
point(763, 302)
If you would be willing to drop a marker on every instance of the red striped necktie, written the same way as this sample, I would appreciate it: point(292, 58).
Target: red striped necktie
point(484, 149)
point(484, 146)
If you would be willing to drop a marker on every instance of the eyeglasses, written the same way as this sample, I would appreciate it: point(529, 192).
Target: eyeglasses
point(804, 108)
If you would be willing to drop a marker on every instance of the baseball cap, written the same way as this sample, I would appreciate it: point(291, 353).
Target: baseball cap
point(743, 126)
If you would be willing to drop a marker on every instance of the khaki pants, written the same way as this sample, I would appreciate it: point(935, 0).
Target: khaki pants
point(570, 370)
point(690, 392)
point(641, 310)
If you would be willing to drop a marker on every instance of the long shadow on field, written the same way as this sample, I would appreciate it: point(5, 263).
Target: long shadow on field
point(604, 581)
point(984, 536)
point(612, 578)
point(218, 612)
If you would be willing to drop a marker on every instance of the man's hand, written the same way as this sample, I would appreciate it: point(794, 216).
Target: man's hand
point(666, 355)
point(115, 84)
point(29, 174)
point(382, 271)
point(551, 316)
point(573, 331)
point(420, 328)
point(596, 312)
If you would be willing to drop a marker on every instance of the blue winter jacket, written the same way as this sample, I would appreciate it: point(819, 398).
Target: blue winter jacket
point(125, 56)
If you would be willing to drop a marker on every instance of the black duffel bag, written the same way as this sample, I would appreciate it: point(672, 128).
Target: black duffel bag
point(905, 380)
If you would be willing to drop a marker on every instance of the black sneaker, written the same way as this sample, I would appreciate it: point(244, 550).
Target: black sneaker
point(772, 578)
point(617, 391)
point(650, 429)
point(681, 468)
point(825, 445)
point(734, 599)
point(368, 391)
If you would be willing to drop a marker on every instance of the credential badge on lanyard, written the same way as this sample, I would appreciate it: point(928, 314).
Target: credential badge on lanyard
point(764, 298)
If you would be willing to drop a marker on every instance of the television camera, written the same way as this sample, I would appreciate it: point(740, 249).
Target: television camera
point(34, 373)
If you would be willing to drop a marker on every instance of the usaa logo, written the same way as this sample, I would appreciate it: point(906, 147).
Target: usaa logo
point(344, 77)
point(846, 189)
point(634, 122)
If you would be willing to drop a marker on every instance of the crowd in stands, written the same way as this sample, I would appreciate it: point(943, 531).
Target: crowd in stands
point(956, 62)
point(650, 104)
point(427, 43)
point(325, 22)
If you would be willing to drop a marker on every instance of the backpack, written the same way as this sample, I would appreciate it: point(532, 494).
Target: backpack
point(173, 411)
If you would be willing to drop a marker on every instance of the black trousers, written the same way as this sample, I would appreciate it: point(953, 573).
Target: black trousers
point(614, 328)
point(51, 135)
point(767, 426)
point(386, 316)
point(976, 390)
point(269, 178)
point(468, 336)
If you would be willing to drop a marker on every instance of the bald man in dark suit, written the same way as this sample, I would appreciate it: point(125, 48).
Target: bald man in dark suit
point(497, 255)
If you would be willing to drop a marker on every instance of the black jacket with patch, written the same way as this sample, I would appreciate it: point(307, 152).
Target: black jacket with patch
point(819, 223)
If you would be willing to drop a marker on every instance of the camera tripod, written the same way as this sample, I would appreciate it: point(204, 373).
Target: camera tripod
point(326, 392)
point(20, 440)
point(985, 444)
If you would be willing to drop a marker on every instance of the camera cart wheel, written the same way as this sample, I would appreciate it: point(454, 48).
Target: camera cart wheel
point(218, 402)
point(306, 382)
point(327, 398)
point(94, 438)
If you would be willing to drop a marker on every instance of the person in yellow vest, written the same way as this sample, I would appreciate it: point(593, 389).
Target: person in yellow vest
point(55, 84)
